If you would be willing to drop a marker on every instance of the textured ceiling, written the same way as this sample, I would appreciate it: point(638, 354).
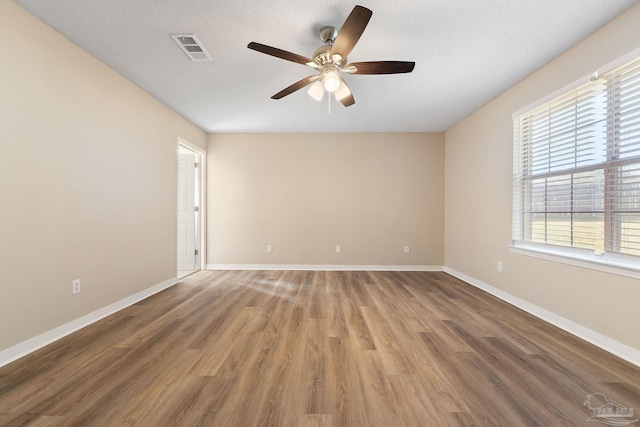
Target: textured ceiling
point(466, 52)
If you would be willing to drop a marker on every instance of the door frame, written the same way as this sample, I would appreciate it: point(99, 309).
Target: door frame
point(201, 175)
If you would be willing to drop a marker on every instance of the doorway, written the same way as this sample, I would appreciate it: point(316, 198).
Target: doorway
point(189, 206)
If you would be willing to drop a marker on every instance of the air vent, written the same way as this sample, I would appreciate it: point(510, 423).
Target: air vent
point(192, 47)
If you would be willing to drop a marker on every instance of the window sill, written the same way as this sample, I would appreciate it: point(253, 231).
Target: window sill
point(621, 267)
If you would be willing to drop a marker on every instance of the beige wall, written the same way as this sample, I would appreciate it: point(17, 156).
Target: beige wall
point(478, 200)
point(88, 188)
point(371, 193)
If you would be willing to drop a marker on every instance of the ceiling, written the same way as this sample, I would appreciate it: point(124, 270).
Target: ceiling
point(466, 52)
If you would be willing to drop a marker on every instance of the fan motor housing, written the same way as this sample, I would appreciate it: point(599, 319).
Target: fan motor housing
point(322, 56)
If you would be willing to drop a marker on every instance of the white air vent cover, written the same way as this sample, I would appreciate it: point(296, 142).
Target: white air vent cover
point(192, 47)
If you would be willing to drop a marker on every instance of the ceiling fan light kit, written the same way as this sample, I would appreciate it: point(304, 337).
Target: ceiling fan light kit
point(331, 59)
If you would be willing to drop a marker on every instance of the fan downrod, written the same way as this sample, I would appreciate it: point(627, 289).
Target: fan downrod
point(328, 34)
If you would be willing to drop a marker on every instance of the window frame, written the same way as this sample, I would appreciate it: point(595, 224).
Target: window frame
point(625, 265)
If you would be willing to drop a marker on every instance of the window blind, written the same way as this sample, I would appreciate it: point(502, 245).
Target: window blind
point(577, 167)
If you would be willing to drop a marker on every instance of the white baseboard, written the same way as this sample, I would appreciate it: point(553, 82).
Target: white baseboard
point(20, 350)
point(623, 351)
point(339, 267)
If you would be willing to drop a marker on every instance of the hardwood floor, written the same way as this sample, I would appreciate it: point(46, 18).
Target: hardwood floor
point(292, 348)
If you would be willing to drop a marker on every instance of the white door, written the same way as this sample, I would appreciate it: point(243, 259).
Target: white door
point(187, 242)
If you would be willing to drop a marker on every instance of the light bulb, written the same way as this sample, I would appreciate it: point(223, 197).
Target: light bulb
point(331, 81)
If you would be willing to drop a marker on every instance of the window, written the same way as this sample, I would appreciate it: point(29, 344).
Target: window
point(577, 170)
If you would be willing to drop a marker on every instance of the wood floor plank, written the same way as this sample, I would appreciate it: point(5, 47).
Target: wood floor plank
point(315, 420)
point(347, 399)
point(358, 328)
point(416, 407)
point(314, 374)
point(315, 348)
point(398, 311)
point(388, 346)
point(380, 406)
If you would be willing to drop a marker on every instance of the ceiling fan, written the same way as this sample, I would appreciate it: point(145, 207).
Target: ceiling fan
point(331, 59)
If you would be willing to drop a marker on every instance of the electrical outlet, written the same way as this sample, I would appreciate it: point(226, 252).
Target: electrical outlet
point(406, 249)
point(500, 266)
point(75, 286)
point(338, 249)
point(269, 248)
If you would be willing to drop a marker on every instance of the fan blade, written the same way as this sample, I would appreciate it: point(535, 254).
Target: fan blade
point(344, 95)
point(279, 53)
point(351, 31)
point(382, 67)
point(294, 87)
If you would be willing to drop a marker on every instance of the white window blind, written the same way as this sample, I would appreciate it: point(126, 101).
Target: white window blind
point(577, 168)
